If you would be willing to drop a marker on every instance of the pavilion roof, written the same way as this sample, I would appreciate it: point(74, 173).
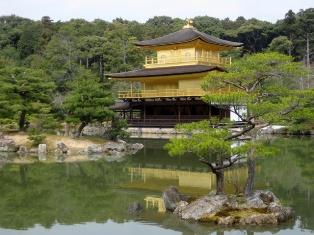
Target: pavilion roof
point(165, 71)
point(187, 35)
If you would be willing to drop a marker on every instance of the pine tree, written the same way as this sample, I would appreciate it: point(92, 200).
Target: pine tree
point(24, 92)
point(266, 84)
point(88, 100)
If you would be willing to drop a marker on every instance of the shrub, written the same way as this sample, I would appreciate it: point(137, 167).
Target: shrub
point(36, 137)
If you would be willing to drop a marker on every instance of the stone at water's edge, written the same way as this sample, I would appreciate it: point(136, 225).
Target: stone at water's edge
point(42, 152)
point(6, 144)
point(261, 199)
point(22, 150)
point(135, 208)
point(204, 206)
point(117, 149)
point(95, 149)
point(261, 208)
point(274, 129)
point(172, 197)
point(42, 149)
point(180, 207)
point(61, 148)
point(115, 146)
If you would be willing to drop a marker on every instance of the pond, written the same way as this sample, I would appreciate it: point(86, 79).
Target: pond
point(93, 197)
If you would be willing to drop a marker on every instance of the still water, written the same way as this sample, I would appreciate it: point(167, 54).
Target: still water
point(92, 197)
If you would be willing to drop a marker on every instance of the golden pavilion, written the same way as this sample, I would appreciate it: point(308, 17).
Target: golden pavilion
point(167, 91)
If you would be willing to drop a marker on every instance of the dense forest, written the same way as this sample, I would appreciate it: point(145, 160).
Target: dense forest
point(47, 57)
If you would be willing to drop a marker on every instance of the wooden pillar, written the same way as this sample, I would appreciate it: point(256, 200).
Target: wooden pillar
point(144, 112)
point(179, 112)
point(131, 111)
point(210, 110)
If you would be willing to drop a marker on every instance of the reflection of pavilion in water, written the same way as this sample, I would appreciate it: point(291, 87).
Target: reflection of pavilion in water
point(186, 179)
point(193, 183)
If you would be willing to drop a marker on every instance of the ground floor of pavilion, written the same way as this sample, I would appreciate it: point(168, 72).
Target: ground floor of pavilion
point(168, 113)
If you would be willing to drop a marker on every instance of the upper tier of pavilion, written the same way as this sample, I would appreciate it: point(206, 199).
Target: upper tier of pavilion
point(178, 64)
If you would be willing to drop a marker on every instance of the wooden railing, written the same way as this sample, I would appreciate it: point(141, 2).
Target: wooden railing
point(168, 93)
point(169, 123)
point(214, 59)
point(192, 92)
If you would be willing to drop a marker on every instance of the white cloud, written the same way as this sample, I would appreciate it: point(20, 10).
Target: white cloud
point(142, 10)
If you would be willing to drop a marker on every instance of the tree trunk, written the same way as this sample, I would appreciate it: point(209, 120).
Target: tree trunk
point(22, 121)
point(80, 129)
point(219, 182)
point(101, 69)
point(23, 170)
point(308, 63)
point(66, 129)
point(251, 175)
point(290, 47)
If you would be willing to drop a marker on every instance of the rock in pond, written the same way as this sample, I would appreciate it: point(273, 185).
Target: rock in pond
point(261, 199)
point(274, 129)
point(61, 148)
point(22, 150)
point(42, 149)
point(7, 144)
point(135, 208)
point(42, 152)
point(95, 149)
point(204, 207)
point(263, 207)
point(118, 149)
point(172, 197)
point(120, 146)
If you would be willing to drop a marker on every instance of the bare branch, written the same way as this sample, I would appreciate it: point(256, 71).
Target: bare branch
point(235, 84)
point(238, 114)
point(217, 167)
point(244, 130)
point(290, 109)
point(230, 162)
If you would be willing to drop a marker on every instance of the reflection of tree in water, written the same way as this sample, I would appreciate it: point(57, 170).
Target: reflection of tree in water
point(72, 193)
point(68, 193)
point(291, 176)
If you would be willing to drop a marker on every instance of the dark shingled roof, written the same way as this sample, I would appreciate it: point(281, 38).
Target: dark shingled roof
point(188, 69)
point(187, 35)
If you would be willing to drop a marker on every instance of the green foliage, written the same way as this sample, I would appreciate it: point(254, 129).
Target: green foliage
point(118, 129)
point(88, 101)
point(266, 83)
point(209, 25)
point(60, 49)
point(36, 137)
point(44, 121)
point(161, 25)
point(29, 42)
point(208, 142)
point(24, 92)
point(201, 139)
point(255, 34)
point(120, 52)
point(281, 44)
point(302, 120)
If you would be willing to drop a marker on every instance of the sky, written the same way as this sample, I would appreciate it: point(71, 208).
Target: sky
point(142, 10)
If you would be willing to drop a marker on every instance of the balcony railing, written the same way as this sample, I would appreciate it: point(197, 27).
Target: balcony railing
point(168, 93)
point(214, 59)
point(193, 92)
